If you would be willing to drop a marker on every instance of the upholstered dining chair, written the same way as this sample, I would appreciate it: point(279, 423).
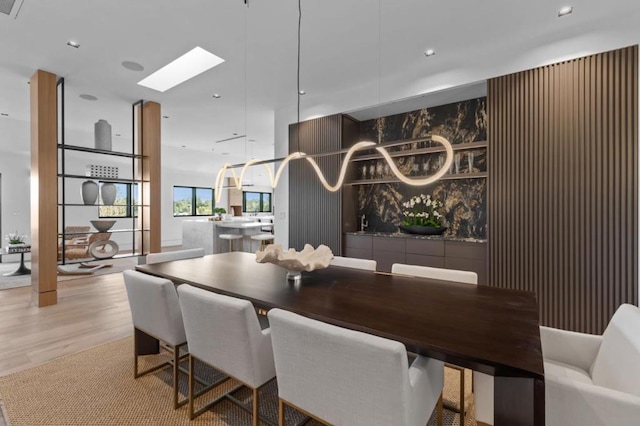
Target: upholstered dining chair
point(224, 333)
point(174, 255)
point(593, 380)
point(352, 262)
point(453, 275)
point(346, 377)
point(156, 311)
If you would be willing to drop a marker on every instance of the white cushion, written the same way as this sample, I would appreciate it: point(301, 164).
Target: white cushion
point(560, 369)
point(174, 255)
point(352, 262)
point(435, 273)
point(617, 365)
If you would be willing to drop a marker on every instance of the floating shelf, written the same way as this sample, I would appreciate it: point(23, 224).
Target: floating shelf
point(103, 179)
point(477, 175)
point(103, 205)
point(97, 151)
point(430, 150)
point(92, 260)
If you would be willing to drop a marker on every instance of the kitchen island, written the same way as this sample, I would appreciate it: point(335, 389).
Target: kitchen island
point(206, 234)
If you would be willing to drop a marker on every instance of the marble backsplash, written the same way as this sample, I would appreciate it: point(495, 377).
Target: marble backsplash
point(464, 198)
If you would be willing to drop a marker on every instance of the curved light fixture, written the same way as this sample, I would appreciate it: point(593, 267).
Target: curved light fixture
point(381, 148)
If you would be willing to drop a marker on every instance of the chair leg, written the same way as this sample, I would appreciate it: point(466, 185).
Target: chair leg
point(135, 354)
point(462, 404)
point(281, 412)
point(439, 414)
point(176, 364)
point(256, 407)
point(191, 388)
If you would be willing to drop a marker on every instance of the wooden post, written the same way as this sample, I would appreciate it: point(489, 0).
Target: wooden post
point(44, 189)
point(151, 176)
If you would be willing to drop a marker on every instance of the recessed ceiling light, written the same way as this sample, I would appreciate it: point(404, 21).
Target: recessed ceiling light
point(216, 95)
point(4, 114)
point(74, 44)
point(187, 66)
point(225, 153)
point(302, 92)
point(133, 66)
point(165, 116)
point(429, 52)
point(252, 140)
point(118, 134)
point(235, 134)
point(184, 146)
point(567, 10)
point(87, 97)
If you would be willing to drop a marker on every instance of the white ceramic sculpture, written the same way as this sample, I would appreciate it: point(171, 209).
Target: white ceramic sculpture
point(294, 262)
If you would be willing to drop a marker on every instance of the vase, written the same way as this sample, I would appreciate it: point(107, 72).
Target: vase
point(89, 192)
point(422, 230)
point(108, 193)
point(102, 134)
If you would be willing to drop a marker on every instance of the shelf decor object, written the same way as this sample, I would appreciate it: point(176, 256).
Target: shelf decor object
point(422, 230)
point(108, 193)
point(89, 192)
point(295, 262)
point(102, 133)
point(102, 225)
point(422, 216)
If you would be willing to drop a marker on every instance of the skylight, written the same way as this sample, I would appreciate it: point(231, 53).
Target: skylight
point(187, 66)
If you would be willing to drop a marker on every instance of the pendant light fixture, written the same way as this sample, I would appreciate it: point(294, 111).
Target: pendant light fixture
point(363, 145)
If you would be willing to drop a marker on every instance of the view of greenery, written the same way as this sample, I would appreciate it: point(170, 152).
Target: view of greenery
point(191, 201)
point(256, 202)
point(125, 197)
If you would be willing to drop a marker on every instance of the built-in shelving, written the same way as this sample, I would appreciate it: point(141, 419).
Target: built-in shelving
point(101, 179)
point(98, 151)
point(419, 151)
point(477, 175)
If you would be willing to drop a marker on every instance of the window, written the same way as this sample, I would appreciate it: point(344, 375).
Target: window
point(125, 203)
point(192, 201)
point(256, 202)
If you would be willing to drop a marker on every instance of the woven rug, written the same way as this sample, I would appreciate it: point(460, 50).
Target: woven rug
point(96, 387)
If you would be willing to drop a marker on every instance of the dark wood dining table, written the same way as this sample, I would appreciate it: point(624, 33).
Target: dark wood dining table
point(491, 330)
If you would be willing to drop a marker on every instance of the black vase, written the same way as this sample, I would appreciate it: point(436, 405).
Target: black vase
point(422, 230)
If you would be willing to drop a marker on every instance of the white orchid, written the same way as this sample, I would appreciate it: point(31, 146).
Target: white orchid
point(421, 211)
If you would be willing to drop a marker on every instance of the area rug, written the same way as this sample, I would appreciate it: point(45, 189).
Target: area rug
point(96, 387)
point(118, 265)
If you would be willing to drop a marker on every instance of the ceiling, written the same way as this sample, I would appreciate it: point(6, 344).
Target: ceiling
point(354, 56)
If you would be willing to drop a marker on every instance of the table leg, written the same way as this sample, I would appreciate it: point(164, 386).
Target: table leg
point(518, 401)
point(22, 269)
point(145, 344)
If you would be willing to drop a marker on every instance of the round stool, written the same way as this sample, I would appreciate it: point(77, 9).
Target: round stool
point(263, 238)
point(230, 237)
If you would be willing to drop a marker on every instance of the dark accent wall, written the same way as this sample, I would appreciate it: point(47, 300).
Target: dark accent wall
point(563, 187)
point(464, 199)
point(315, 213)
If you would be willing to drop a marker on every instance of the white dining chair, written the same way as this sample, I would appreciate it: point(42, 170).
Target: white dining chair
point(174, 255)
point(453, 275)
point(593, 380)
point(355, 263)
point(155, 310)
point(224, 333)
point(345, 377)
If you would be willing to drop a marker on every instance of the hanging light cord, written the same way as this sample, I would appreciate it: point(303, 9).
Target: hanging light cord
point(298, 73)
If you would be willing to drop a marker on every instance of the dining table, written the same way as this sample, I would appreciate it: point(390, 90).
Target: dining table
point(488, 329)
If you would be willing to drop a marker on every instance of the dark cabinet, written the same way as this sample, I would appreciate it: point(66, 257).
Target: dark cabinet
point(438, 253)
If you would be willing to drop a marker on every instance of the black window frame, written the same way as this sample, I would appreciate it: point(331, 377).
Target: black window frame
point(262, 194)
point(194, 212)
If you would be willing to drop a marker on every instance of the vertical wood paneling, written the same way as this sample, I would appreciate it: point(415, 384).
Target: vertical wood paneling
point(563, 187)
point(151, 175)
point(314, 212)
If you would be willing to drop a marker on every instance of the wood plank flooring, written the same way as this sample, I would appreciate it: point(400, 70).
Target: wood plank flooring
point(90, 311)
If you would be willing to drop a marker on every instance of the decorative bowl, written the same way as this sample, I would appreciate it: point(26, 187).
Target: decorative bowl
point(295, 262)
point(422, 230)
point(102, 225)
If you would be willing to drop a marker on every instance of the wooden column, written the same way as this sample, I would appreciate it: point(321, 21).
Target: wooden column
point(151, 176)
point(44, 191)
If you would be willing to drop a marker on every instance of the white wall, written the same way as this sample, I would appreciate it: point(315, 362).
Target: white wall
point(16, 212)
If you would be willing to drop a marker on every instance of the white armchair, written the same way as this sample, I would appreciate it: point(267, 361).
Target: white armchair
point(594, 380)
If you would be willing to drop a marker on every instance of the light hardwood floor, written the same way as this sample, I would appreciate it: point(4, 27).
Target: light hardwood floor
point(90, 311)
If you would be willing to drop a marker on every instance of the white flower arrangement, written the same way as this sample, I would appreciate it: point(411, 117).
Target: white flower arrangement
point(422, 211)
point(15, 238)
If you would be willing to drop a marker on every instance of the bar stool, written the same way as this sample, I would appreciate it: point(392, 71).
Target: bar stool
point(230, 237)
point(264, 240)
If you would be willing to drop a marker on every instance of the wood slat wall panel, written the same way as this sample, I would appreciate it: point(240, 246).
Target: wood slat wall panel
point(315, 213)
point(563, 187)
